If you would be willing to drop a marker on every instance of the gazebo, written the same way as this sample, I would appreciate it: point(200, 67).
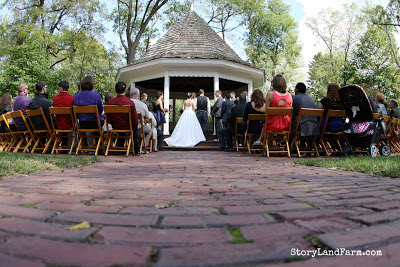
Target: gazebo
point(189, 57)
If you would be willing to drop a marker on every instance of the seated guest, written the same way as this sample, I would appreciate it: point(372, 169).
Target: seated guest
point(278, 98)
point(6, 106)
point(141, 108)
point(226, 108)
point(120, 121)
point(255, 106)
point(309, 124)
point(40, 100)
point(107, 98)
point(331, 101)
point(63, 99)
point(394, 112)
point(381, 104)
point(21, 102)
point(144, 98)
point(228, 130)
point(158, 135)
point(88, 97)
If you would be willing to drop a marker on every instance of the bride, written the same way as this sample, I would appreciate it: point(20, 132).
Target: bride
point(187, 132)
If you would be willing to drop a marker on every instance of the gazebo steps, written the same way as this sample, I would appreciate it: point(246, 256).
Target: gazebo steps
point(209, 144)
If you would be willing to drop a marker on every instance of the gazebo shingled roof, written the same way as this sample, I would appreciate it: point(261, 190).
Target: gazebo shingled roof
point(191, 37)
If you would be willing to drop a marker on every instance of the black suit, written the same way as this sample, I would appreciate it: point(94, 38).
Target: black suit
point(227, 133)
point(226, 108)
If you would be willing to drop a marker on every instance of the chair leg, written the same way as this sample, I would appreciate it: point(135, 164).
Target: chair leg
point(108, 145)
point(324, 146)
point(287, 145)
point(79, 146)
point(315, 146)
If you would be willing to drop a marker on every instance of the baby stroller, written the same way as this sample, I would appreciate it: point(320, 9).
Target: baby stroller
point(363, 131)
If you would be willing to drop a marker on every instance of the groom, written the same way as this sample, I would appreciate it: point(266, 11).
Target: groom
point(203, 111)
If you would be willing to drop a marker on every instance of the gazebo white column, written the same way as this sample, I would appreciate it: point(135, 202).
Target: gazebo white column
point(166, 101)
point(216, 84)
point(250, 88)
point(216, 88)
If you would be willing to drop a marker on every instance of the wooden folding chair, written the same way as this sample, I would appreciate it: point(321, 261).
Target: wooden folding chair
point(239, 137)
point(395, 142)
point(5, 136)
point(43, 137)
point(140, 133)
point(150, 145)
point(391, 135)
point(276, 138)
point(377, 115)
point(24, 138)
point(331, 141)
point(83, 133)
point(306, 144)
point(13, 134)
point(61, 134)
point(249, 137)
point(113, 135)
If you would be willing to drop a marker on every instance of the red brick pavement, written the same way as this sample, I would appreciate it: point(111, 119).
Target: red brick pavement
point(179, 208)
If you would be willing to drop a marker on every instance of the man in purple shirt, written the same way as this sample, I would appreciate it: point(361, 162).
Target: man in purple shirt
point(21, 102)
point(87, 97)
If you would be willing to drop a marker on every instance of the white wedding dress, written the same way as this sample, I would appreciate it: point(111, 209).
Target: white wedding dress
point(187, 132)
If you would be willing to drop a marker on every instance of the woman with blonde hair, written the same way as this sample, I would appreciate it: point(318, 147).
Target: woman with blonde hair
point(381, 104)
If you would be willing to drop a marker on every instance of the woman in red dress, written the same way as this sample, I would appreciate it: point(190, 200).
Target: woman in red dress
point(278, 98)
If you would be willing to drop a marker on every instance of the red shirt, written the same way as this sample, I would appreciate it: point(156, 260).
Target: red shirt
point(278, 123)
point(120, 121)
point(63, 99)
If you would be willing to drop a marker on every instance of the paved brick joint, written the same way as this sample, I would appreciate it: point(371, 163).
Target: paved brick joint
point(199, 208)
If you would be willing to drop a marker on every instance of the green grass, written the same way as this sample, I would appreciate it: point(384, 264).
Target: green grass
point(11, 163)
point(385, 166)
point(237, 236)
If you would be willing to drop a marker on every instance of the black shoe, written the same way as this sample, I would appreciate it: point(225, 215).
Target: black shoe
point(161, 149)
point(228, 150)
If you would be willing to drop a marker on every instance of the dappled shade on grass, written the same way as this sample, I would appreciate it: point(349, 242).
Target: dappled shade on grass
point(27, 163)
point(385, 166)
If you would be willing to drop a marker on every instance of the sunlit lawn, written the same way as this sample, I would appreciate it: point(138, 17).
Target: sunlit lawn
point(385, 166)
point(11, 163)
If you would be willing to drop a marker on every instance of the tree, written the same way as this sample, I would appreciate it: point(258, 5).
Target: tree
point(131, 20)
point(26, 62)
point(321, 74)
point(54, 23)
point(340, 32)
point(272, 39)
point(225, 16)
point(373, 66)
point(92, 59)
point(388, 21)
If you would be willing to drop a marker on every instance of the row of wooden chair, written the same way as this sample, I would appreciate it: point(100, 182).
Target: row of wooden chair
point(330, 142)
point(32, 139)
point(279, 142)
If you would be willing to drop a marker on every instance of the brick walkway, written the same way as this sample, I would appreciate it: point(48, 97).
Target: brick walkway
point(175, 209)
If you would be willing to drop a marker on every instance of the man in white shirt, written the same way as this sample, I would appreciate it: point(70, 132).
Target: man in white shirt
point(142, 109)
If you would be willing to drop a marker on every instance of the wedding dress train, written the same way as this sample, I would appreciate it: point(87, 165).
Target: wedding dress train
point(187, 132)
